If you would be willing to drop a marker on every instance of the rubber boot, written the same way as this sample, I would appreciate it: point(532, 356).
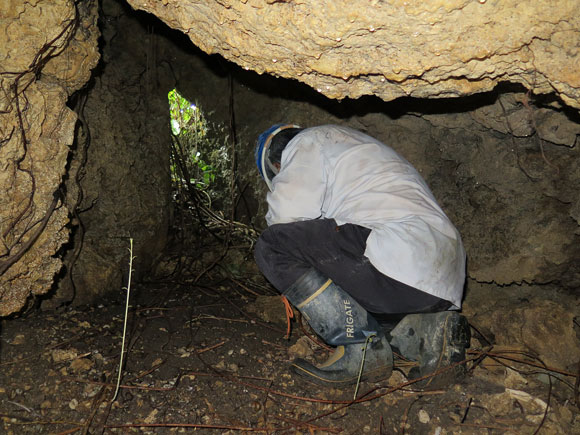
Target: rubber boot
point(436, 341)
point(340, 321)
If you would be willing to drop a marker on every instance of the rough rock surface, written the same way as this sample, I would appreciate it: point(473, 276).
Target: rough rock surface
point(391, 48)
point(125, 184)
point(542, 324)
point(48, 50)
point(511, 194)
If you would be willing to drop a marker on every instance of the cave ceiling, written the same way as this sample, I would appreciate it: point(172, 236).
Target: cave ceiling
point(391, 48)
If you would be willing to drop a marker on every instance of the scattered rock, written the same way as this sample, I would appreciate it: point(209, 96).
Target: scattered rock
point(514, 379)
point(81, 365)
point(397, 378)
point(91, 390)
point(19, 339)
point(301, 349)
point(532, 404)
point(424, 416)
point(151, 417)
point(73, 404)
point(269, 309)
point(60, 355)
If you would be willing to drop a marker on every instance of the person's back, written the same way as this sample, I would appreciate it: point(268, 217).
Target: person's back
point(340, 173)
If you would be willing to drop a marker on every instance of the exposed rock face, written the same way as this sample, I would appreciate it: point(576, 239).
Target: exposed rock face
point(48, 50)
point(104, 187)
point(512, 190)
point(125, 184)
point(391, 48)
point(543, 325)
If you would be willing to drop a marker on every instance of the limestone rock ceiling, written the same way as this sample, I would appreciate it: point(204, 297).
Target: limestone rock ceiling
point(391, 48)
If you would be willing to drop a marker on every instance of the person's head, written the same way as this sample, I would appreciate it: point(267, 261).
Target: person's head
point(269, 149)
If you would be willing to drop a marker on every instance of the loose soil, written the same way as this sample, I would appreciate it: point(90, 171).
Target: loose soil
point(202, 358)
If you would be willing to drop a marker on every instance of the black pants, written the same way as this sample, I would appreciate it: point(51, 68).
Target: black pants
point(284, 252)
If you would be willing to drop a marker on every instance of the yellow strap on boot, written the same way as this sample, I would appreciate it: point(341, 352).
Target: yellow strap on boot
point(315, 294)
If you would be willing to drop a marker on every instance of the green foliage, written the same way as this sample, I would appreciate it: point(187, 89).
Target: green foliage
point(201, 148)
point(189, 128)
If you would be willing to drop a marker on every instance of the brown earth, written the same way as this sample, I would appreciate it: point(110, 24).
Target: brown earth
point(202, 356)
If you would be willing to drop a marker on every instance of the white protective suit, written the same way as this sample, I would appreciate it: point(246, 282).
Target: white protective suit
point(337, 172)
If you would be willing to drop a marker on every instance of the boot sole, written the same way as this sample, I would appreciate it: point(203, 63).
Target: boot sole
point(320, 377)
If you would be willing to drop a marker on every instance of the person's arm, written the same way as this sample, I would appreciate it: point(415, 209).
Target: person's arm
point(299, 188)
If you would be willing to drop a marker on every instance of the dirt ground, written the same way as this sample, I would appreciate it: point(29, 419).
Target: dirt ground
point(214, 359)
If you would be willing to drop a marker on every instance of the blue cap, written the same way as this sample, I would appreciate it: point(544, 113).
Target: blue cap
point(262, 146)
point(259, 151)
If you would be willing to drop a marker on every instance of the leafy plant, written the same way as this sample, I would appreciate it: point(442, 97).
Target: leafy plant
point(201, 149)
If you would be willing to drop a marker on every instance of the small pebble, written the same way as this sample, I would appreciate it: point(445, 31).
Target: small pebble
point(19, 339)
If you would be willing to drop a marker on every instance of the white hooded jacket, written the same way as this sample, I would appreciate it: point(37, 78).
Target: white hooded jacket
point(340, 173)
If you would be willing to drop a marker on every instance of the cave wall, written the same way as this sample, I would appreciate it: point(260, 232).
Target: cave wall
point(48, 49)
point(84, 152)
point(125, 184)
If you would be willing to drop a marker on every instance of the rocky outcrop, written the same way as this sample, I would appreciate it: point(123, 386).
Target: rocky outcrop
point(48, 50)
point(391, 48)
point(80, 181)
point(513, 189)
point(543, 323)
point(125, 184)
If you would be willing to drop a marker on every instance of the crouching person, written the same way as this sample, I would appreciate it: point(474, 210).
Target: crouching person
point(355, 235)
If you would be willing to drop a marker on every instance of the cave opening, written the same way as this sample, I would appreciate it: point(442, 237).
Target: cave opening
point(207, 326)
